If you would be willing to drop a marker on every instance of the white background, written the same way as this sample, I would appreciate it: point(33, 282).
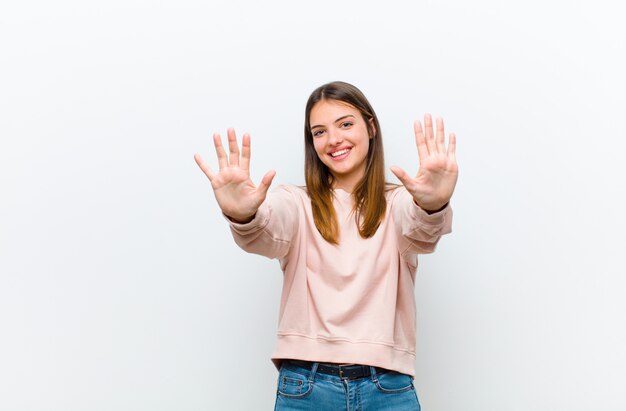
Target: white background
point(120, 286)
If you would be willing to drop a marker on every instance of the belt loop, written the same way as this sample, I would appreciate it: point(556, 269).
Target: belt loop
point(373, 375)
point(313, 371)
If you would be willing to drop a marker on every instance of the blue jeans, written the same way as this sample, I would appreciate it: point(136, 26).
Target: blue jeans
point(302, 389)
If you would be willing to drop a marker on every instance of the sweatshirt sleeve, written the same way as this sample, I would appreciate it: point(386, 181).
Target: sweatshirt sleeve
point(418, 232)
point(274, 226)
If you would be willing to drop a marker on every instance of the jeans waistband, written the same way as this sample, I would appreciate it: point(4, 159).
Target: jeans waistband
point(349, 371)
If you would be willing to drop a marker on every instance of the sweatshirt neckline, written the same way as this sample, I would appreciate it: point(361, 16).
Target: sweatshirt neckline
point(341, 192)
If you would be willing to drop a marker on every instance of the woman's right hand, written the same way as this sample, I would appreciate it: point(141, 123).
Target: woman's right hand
point(236, 194)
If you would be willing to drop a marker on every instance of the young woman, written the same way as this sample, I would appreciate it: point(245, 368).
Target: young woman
point(347, 244)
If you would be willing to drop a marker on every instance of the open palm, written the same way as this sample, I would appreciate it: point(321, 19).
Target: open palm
point(436, 178)
point(234, 191)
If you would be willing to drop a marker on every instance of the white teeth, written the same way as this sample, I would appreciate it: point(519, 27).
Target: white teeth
point(340, 152)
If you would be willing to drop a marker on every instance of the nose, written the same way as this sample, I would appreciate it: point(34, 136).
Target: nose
point(334, 137)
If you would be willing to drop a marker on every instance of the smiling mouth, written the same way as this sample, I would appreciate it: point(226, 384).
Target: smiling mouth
point(340, 153)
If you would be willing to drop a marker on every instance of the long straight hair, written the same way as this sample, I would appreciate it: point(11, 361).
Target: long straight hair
point(369, 194)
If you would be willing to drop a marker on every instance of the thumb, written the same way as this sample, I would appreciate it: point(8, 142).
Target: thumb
point(402, 175)
point(266, 182)
point(204, 166)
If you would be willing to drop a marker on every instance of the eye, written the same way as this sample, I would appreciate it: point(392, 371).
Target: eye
point(317, 133)
point(346, 124)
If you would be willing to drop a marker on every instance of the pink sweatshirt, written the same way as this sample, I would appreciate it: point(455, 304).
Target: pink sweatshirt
point(351, 303)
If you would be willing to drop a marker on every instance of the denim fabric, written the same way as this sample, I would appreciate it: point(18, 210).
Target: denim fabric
point(302, 389)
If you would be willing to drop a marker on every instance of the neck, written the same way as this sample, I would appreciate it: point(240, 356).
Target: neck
point(348, 182)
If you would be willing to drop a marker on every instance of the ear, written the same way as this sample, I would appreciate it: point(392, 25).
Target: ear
point(372, 127)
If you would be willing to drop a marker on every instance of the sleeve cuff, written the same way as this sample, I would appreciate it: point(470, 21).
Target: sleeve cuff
point(434, 218)
point(259, 221)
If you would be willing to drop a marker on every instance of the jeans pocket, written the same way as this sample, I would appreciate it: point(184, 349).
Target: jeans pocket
point(293, 384)
point(393, 382)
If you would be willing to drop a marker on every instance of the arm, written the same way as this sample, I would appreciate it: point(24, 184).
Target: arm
point(273, 227)
point(418, 231)
point(258, 225)
point(422, 213)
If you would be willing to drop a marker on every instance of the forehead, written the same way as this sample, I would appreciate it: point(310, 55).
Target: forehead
point(327, 111)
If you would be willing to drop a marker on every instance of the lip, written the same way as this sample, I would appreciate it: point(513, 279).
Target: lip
point(342, 156)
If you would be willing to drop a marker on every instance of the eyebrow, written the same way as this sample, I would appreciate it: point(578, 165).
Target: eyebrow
point(339, 119)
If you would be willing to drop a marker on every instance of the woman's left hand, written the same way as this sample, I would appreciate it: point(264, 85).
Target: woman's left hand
point(436, 178)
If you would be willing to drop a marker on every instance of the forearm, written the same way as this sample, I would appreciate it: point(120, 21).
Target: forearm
point(419, 230)
point(270, 230)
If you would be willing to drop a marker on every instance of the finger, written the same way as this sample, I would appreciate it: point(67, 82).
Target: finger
point(219, 149)
point(430, 139)
point(204, 166)
point(441, 136)
point(245, 152)
point(420, 141)
point(233, 158)
point(452, 146)
point(266, 182)
point(404, 178)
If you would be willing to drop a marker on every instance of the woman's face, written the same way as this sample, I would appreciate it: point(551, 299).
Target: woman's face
point(341, 140)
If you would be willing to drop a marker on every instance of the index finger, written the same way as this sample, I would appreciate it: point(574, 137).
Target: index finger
point(420, 141)
point(219, 150)
point(245, 152)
